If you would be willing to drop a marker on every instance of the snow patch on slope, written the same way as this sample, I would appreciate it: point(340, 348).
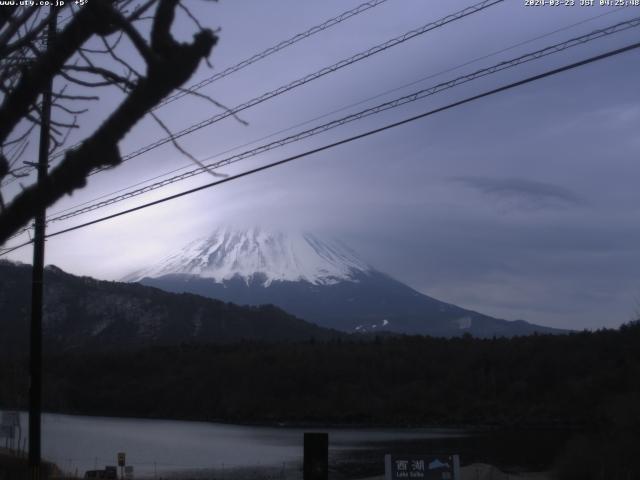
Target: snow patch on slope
point(464, 323)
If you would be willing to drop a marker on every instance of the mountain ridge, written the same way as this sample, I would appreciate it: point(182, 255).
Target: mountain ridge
point(342, 291)
point(375, 303)
point(82, 312)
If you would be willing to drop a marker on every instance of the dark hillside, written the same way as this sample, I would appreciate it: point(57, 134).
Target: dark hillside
point(84, 313)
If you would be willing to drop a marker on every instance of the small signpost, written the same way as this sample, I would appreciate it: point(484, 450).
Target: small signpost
point(422, 467)
point(122, 458)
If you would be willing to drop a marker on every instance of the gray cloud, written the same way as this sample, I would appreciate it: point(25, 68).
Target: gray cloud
point(523, 193)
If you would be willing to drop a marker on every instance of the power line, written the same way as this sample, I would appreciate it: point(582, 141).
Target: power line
point(314, 76)
point(6, 251)
point(306, 122)
point(450, 106)
point(271, 50)
point(421, 94)
point(254, 58)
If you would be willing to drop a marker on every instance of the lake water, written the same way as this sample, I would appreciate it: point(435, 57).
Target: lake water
point(163, 447)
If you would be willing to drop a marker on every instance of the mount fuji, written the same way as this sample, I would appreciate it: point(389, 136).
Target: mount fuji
point(258, 255)
point(317, 279)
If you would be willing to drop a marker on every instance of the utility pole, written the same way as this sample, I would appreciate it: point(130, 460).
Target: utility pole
point(35, 357)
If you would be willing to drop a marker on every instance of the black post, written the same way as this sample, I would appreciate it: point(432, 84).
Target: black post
point(35, 359)
point(316, 456)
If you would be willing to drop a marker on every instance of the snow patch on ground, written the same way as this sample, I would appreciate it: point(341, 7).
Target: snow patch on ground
point(464, 323)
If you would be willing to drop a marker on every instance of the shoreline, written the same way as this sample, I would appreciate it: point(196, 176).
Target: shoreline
point(342, 468)
point(345, 463)
point(469, 428)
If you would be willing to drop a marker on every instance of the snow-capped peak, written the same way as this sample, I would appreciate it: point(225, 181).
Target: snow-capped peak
point(274, 255)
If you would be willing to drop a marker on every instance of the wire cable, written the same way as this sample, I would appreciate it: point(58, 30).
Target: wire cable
point(271, 50)
point(310, 77)
point(341, 109)
point(248, 61)
point(421, 94)
point(450, 106)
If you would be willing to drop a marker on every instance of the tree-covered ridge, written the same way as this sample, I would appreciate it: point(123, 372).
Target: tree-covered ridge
point(583, 379)
point(84, 313)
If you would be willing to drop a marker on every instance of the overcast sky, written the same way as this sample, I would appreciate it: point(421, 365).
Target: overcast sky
point(523, 205)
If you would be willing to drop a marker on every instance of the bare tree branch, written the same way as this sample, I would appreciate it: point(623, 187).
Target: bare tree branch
point(169, 65)
point(176, 144)
point(32, 82)
point(31, 35)
point(14, 26)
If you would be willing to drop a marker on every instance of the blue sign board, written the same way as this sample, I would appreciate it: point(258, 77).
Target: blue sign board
point(422, 467)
